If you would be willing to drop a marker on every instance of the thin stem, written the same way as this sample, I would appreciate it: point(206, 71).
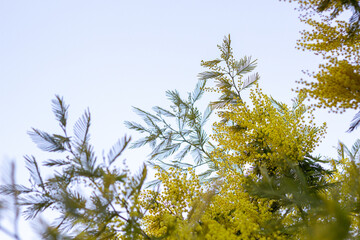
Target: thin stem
point(185, 140)
point(232, 78)
point(16, 202)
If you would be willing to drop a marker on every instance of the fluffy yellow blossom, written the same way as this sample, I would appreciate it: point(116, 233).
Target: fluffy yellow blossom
point(223, 210)
point(267, 134)
point(173, 205)
point(336, 84)
point(255, 140)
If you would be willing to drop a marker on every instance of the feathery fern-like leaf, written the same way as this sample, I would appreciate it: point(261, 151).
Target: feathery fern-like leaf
point(245, 65)
point(35, 175)
point(81, 131)
point(209, 74)
point(250, 81)
point(47, 142)
point(118, 149)
point(60, 110)
point(355, 122)
point(56, 163)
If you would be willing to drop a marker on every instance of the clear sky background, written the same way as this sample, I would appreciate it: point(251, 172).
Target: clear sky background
point(111, 55)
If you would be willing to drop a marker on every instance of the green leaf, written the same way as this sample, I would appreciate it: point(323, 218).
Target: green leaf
point(33, 167)
point(250, 81)
point(209, 74)
point(205, 175)
point(35, 204)
point(160, 111)
point(153, 183)
point(56, 163)
point(198, 91)
point(135, 126)
point(146, 115)
point(355, 149)
point(166, 151)
point(60, 110)
point(10, 189)
point(206, 115)
point(225, 48)
point(197, 155)
point(245, 65)
point(280, 107)
point(139, 143)
point(175, 98)
point(183, 152)
point(118, 149)
point(47, 142)
point(355, 122)
point(81, 131)
point(211, 63)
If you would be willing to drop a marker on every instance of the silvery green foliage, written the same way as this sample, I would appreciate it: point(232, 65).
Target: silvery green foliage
point(90, 197)
point(178, 131)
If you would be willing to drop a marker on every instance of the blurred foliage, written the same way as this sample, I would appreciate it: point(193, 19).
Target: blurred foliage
point(9, 207)
point(86, 195)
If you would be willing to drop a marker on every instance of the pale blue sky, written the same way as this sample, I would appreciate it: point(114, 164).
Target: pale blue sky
point(111, 55)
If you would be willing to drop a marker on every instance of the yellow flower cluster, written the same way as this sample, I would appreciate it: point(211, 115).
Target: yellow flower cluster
point(263, 135)
point(173, 204)
point(336, 84)
point(235, 210)
point(222, 210)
